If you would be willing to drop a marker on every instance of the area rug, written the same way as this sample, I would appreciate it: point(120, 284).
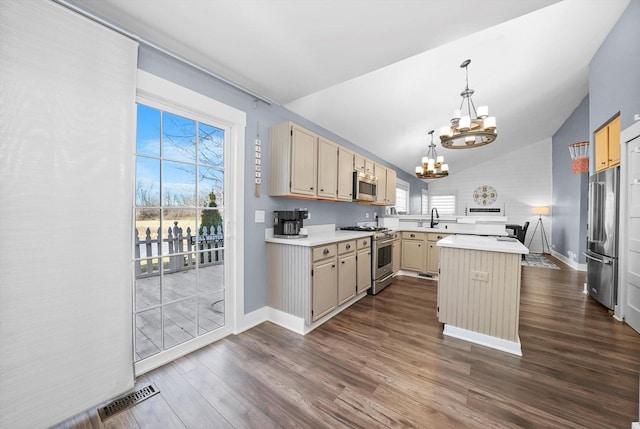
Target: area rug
point(538, 260)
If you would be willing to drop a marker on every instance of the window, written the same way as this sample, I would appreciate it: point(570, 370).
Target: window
point(402, 197)
point(179, 240)
point(187, 223)
point(424, 202)
point(445, 203)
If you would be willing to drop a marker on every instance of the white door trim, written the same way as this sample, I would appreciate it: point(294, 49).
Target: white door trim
point(626, 135)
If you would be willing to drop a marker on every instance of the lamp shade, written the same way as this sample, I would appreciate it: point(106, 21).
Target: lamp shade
point(541, 210)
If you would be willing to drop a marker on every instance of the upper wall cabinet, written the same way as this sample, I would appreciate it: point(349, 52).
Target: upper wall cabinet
point(327, 169)
point(386, 185)
point(360, 163)
point(303, 164)
point(293, 161)
point(345, 174)
point(607, 142)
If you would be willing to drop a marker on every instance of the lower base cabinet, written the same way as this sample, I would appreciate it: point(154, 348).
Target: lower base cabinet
point(413, 251)
point(433, 257)
point(364, 265)
point(310, 283)
point(324, 285)
point(347, 271)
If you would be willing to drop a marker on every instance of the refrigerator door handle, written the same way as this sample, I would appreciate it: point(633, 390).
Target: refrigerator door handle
point(603, 261)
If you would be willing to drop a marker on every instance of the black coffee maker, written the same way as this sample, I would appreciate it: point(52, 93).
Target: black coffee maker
point(287, 223)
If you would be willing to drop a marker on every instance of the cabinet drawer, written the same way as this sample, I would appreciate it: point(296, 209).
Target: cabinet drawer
point(322, 252)
point(346, 246)
point(435, 236)
point(413, 235)
point(364, 243)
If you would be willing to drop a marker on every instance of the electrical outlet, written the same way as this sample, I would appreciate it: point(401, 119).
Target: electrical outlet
point(366, 215)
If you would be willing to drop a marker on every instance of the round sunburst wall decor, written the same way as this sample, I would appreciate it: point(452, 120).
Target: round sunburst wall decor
point(485, 195)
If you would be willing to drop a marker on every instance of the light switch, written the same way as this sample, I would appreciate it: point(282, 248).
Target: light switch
point(259, 216)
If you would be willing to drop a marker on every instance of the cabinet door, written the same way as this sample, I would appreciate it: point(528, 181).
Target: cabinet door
point(324, 296)
point(346, 277)
point(358, 162)
point(614, 142)
point(602, 149)
point(380, 172)
point(413, 255)
point(327, 169)
point(391, 187)
point(369, 166)
point(345, 174)
point(364, 270)
point(395, 256)
point(433, 258)
point(303, 161)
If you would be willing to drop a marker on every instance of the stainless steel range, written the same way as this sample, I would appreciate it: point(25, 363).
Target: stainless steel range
point(382, 251)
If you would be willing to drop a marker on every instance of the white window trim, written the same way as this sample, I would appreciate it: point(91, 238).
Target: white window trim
point(404, 185)
point(157, 92)
point(425, 196)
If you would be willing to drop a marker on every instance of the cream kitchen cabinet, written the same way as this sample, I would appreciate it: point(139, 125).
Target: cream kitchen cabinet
point(311, 282)
point(386, 185)
point(345, 174)
point(360, 163)
point(413, 251)
point(391, 187)
point(327, 169)
point(364, 264)
point(433, 256)
point(324, 296)
point(293, 161)
point(347, 271)
point(395, 252)
point(607, 145)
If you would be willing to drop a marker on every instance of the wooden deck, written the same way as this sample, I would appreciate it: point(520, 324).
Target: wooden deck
point(197, 307)
point(384, 363)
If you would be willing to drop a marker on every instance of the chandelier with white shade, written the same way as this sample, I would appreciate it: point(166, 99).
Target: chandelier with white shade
point(469, 127)
point(433, 166)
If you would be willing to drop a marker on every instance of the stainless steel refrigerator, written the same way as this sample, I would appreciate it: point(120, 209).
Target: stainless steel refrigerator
point(602, 237)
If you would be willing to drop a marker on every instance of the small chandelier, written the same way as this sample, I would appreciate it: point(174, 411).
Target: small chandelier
point(469, 128)
point(433, 166)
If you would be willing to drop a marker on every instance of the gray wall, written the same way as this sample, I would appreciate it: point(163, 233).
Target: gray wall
point(260, 117)
point(569, 195)
point(614, 74)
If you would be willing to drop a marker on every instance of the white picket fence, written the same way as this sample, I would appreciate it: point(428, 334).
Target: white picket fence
point(178, 251)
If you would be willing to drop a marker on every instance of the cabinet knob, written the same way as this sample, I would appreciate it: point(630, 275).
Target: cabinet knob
point(365, 242)
point(325, 251)
point(333, 265)
point(311, 188)
point(342, 262)
point(348, 246)
point(321, 190)
point(419, 245)
point(412, 235)
point(439, 237)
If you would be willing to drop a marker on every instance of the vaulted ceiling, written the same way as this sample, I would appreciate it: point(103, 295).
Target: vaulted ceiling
point(381, 73)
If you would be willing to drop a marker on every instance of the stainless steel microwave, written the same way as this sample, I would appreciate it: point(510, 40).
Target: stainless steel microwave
point(365, 186)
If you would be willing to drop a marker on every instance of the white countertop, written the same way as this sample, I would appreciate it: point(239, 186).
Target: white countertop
point(317, 236)
point(489, 244)
point(456, 229)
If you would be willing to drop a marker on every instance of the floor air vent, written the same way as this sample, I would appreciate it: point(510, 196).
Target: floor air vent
point(127, 401)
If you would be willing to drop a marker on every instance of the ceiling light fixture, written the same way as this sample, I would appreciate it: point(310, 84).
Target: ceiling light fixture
point(433, 166)
point(469, 128)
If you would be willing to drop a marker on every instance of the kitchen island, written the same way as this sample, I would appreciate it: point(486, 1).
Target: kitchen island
point(479, 290)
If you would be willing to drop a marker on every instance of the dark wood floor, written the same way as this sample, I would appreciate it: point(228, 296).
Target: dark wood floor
point(385, 363)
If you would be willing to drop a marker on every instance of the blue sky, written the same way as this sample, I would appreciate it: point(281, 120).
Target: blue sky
point(177, 145)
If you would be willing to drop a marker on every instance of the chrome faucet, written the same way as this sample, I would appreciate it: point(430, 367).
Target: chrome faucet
point(434, 223)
